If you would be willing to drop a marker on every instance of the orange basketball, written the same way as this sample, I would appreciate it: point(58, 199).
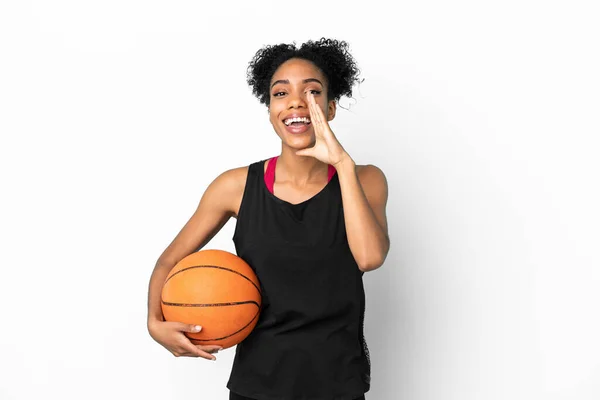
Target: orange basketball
point(216, 290)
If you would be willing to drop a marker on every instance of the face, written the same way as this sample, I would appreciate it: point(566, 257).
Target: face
point(288, 90)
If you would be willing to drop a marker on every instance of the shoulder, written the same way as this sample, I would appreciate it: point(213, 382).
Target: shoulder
point(231, 185)
point(370, 173)
point(231, 179)
point(373, 181)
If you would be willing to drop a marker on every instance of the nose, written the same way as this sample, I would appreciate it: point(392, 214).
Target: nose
point(296, 100)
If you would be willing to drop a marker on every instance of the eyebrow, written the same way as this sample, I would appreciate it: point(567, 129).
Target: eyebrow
point(286, 81)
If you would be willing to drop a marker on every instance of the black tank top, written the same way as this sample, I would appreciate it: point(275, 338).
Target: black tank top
point(308, 343)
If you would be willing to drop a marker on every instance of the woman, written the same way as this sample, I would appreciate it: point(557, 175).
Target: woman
point(310, 222)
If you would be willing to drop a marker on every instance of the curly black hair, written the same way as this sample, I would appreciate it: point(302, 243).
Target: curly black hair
point(329, 55)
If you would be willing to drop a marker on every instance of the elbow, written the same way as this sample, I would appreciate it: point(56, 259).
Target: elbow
point(373, 261)
point(366, 266)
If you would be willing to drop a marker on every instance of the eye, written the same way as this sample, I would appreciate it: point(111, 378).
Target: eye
point(277, 94)
point(315, 91)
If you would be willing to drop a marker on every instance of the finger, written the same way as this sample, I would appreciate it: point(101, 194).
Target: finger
point(315, 120)
point(190, 350)
point(314, 116)
point(198, 352)
point(311, 110)
point(183, 327)
point(191, 328)
point(316, 109)
point(211, 349)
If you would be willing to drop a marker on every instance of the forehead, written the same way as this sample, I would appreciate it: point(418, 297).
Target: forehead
point(295, 70)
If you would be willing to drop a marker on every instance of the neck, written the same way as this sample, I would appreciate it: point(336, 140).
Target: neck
point(300, 170)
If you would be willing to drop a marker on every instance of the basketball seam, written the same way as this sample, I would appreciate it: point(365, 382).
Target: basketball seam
point(209, 304)
point(230, 335)
point(217, 267)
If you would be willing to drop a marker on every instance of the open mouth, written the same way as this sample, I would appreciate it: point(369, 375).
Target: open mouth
point(298, 121)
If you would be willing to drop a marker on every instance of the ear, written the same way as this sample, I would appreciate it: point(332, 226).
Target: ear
point(331, 107)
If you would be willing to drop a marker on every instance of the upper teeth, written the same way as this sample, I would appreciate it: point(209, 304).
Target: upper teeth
point(297, 119)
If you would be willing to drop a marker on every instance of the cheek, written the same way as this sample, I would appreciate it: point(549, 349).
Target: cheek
point(274, 113)
point(273, 117)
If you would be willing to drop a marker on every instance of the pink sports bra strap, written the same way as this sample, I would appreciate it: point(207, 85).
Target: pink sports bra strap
point(330, 172)
point(270, 173)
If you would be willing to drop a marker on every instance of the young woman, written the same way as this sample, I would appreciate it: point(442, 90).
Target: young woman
point(310, 222)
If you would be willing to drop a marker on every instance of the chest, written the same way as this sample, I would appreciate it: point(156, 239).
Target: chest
point(295, 195)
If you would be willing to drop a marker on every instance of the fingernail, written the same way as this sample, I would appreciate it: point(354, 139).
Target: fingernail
point(197, 327)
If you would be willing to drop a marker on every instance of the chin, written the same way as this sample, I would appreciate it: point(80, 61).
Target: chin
point(301, 143)
point(296, 138)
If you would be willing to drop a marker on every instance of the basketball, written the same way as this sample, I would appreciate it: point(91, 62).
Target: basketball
point(216, 290)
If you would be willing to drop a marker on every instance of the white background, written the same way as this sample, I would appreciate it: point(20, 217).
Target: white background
point(116, 115)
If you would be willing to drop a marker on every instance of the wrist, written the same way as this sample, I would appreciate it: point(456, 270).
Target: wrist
point(345, 160)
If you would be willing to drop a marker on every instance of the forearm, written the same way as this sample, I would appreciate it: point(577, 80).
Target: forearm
point(367, 239)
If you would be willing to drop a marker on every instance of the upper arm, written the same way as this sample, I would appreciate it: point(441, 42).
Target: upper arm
point(215, 208)
point(375, 187)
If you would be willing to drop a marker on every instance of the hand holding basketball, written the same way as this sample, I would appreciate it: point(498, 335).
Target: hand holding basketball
point(215, 289)
point(171, 336)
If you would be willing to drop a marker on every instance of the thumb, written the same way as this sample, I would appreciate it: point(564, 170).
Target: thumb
point(191, 328)
point(304, 152)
